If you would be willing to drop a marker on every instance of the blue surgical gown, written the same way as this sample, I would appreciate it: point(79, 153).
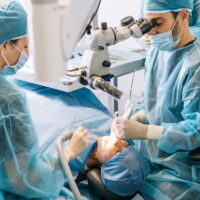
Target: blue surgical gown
point(29, 165)
point(171, 98)
point(23, 170)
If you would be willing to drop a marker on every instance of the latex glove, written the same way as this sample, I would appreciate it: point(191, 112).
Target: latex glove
point(146, 39)
point(77, 144)
point(128, 129)
point(139, 117)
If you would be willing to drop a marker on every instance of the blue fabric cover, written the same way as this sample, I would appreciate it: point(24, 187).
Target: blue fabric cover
point(125, 172)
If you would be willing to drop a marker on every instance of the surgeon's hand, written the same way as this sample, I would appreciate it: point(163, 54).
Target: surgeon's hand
point(139, 117)
point(128, 129)
point(146, 39)
point(77, 144)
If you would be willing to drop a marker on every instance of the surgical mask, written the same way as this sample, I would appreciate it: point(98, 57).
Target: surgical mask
point(165, 41)
point(11, 70)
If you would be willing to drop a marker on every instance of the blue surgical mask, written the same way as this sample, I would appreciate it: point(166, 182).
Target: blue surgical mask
point(11, 70)
point(165, 41)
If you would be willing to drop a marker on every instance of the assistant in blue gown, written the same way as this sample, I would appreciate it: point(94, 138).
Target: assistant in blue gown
point(171, 99)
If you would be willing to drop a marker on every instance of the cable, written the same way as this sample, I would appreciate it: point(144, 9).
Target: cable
point(91, 19)
point(65, 165)
point(131, 88)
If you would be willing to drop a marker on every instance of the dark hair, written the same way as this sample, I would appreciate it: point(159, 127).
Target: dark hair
point(14, 41)
point(175, 14)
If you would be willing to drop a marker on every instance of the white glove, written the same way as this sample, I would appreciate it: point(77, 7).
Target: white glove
point(146, 39)
point(77, 144)
point(128, 129)
point(139, 117)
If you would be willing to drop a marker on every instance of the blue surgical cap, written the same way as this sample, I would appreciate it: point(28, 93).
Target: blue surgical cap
point(13, 21)
point(161, 6)
point(125, 172)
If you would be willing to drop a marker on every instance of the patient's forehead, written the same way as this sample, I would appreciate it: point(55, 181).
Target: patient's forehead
point(114, 141)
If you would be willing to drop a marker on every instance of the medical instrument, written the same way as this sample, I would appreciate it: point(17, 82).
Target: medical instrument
point(65, 165)
point(116, 114)
point(96, 82)
point(97, 59)
point(128, 109)
point(93, 137)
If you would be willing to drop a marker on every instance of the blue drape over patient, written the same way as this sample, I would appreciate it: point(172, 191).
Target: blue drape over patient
point(89, 113)
point(30, 166)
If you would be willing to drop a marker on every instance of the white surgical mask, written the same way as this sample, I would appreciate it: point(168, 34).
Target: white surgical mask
point(165, 41)
point(12, 69)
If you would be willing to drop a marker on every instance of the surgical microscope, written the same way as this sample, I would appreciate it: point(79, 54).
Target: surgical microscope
point(96, 62)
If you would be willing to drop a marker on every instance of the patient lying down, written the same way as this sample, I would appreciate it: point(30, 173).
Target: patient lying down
point(107, 147)
point(123, 170)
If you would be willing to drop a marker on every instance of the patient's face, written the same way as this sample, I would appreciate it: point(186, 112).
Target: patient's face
point(107, 147)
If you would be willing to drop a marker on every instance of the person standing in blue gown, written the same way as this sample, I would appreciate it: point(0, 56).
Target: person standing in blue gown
point(166, 124)
point(24, 171)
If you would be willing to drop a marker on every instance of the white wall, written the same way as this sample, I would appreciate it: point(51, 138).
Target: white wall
point(114, 10)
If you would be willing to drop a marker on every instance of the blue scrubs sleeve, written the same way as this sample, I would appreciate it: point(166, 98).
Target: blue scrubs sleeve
point(24, 170)
point(185, 135)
